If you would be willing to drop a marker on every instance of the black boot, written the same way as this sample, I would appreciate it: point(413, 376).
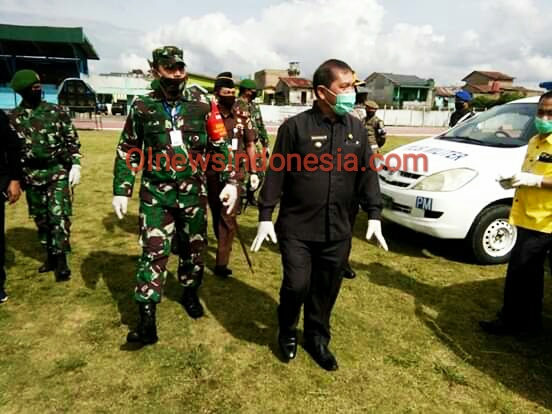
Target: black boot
point(191, 303)
point(62, 271)
point(222, 271)
point(146, 331)
point(49, 264)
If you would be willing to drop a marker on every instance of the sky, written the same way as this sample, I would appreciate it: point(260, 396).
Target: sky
point(440, 39)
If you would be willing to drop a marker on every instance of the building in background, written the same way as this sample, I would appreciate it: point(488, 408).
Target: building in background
point(294, 91)
point(444, 97)
point(493, 84)
point(267, 80)
point(55, 53)
point(400, 91)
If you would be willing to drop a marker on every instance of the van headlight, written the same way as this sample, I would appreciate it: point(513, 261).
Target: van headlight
point(449, 180)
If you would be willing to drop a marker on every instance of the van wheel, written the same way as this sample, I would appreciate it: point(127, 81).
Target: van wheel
point(491, 237)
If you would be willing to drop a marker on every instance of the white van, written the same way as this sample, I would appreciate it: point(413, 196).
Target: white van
point(458, 196)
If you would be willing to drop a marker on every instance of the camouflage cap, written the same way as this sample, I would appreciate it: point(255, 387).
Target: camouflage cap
point(248, 84)
point(167, 56)
point(371, 104)
point(24, 78)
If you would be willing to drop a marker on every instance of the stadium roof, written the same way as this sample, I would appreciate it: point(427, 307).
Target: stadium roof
point(60, 42)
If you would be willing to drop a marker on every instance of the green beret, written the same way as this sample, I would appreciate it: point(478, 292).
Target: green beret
point(167, 56)
point(371, 104)
point(248, 84)
point(24, 79)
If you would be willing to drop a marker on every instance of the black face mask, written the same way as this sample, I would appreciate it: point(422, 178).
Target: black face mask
point(370, 114)
point(459, 106)
point(32, 96)
point(172, 88)
point(253, 95)
point(227, 101)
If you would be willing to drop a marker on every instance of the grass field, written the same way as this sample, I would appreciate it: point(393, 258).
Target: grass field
point(405, 331)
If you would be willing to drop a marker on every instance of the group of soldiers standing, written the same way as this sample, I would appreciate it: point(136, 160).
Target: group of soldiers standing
point(42, 157)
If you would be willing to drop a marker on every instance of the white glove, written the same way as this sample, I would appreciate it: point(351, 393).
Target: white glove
point(374, 229)
point(74, 175)
point(120, 204)
point(527, 179)
point(505, 181)
point(229, 196)
point(253, 182)
point(265, 230)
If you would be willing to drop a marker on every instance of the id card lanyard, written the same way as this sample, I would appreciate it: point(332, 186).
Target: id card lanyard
point(175, 134)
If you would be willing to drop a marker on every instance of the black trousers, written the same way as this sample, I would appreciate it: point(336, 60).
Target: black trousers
point(312, 277)
point(524, 287)
point(353, 212)
point(2, 244)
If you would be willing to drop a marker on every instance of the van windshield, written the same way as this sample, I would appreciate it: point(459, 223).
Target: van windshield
point(508, 125)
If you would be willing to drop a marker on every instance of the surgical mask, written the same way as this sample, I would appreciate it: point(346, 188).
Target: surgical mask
point(227, 101)
point(344, 102)
point(543, 127)
point(172, 87)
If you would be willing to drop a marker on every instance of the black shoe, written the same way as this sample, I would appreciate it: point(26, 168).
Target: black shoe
point(191, 303)
point(223, 271)
point(500, 327)
point(62, 271)
point(49, 264)
point(348, 272)
point(146, 332)
point(288, 345)
point(322, 355)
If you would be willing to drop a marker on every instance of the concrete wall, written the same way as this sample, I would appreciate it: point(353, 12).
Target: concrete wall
point(275, 115)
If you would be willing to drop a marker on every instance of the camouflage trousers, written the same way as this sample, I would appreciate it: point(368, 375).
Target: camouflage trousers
point(50, 206)
point(158, 226)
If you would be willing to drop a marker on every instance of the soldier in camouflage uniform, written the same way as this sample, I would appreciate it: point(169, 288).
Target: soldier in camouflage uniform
point(374, 127)
point(51, 167)
point(171, 126)
point(241, 138)
point(246, 102)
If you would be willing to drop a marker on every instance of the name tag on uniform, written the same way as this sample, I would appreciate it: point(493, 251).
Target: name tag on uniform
point(318, 140)
point(234, 144)
point(176, 138)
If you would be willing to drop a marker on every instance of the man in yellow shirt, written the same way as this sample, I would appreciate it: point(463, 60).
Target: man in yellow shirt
point(532, 215)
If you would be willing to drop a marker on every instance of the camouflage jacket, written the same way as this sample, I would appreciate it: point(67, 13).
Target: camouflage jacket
point(256, 120)
point(51, 143)
point(171, 176)
point(375, 131)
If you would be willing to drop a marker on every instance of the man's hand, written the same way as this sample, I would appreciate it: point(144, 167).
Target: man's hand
point(120, 204)
point(14, 191)
point(374, 229)
point(229, 196)
point(526, 179)
point(265, 230)
point(253, 182)
point(74, 175)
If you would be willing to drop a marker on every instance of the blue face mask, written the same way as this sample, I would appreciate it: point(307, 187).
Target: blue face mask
point(344, 102)
point(543, 127)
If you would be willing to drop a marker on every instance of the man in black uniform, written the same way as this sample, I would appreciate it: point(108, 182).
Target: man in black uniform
point(462, 106)
point(313, 223)
point(10, 190)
